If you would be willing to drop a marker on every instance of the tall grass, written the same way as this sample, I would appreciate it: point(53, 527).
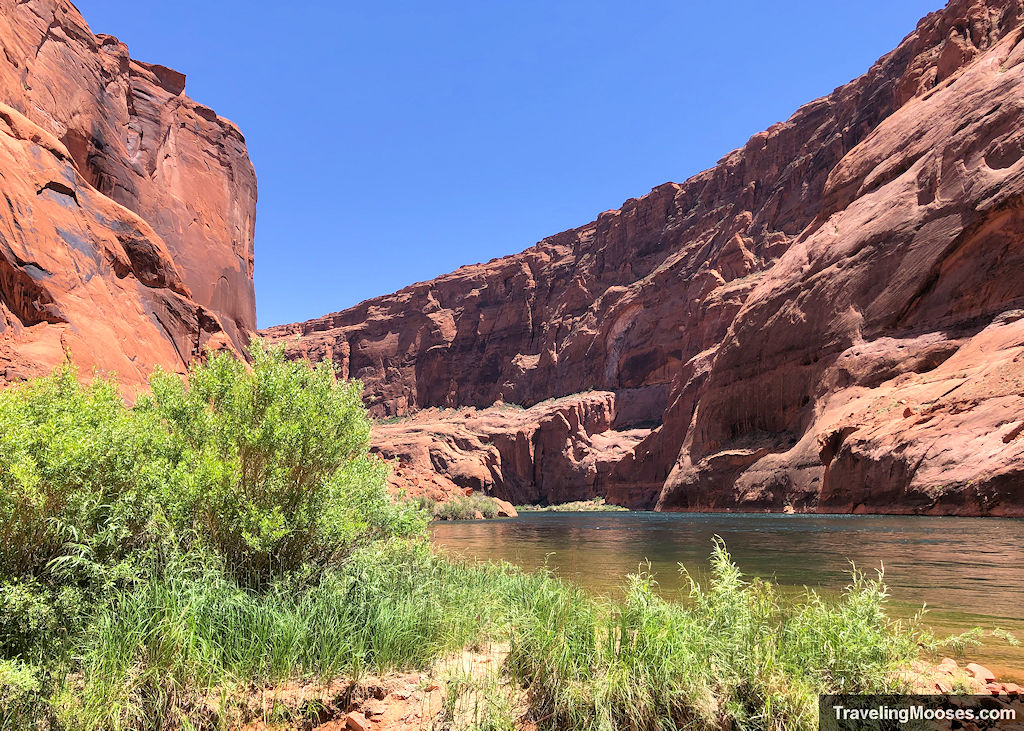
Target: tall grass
point(595, 505)
point(731, 654)
point(159, 654)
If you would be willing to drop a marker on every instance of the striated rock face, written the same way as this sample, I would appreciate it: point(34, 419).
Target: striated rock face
point(827, 320)
point(126, 225)
point(880, 361)
point(554, 452)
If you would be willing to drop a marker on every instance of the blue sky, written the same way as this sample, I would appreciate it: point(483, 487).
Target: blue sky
point(395, 141)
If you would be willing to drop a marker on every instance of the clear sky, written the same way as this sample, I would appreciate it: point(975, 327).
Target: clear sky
point(395, 141)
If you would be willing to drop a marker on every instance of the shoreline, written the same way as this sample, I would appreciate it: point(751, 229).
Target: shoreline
point(600, 505)
point(468, 687)
point(583, 506)
point(595, 505)
point(597, 551)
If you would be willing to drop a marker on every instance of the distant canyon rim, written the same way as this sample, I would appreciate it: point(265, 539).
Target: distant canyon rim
point(829, 320)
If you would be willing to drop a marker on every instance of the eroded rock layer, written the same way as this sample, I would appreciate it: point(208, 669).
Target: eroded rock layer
point(127, 211)
point(556, 451)
point(826, 320)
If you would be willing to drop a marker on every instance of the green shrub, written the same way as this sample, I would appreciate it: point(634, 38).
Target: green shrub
point(596, 505)
point(231, 529)
point(21, 702)
point(463, 507)
point(263, 466)
point(466, 508)
point(271, 469)
point(76, 467)
point(38, 621)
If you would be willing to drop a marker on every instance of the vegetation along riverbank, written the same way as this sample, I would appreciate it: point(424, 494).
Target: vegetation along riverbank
point(597, 505)
point(224, 554)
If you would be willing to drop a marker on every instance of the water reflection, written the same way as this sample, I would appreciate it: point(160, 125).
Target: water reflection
point(969, 571)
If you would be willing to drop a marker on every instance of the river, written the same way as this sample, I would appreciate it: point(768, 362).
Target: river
point(968, 571)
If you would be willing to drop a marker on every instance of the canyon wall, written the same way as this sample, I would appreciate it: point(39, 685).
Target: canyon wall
point(126, 229)
point(828, 320)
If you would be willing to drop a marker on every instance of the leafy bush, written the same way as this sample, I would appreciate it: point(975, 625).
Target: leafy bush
point(466, 508)
point(595, 505)
point(76, 467)
point(20, 699)
point(231, 529)
point(38, 621)
point(270, 463)
point(263, 466)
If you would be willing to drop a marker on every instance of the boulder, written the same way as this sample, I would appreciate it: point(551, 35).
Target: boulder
point(506, 509)
point(356, 721)
point(980, 672)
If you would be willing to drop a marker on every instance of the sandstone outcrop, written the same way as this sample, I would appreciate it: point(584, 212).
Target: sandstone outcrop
point(126, 229)
point(826, 320)
point(553, 452)
point(880, 363)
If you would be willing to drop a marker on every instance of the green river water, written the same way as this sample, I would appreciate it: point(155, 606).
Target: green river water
point(968, 571)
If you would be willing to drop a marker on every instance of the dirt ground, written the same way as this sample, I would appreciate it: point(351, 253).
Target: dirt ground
point(454, 694)
point(460, 692)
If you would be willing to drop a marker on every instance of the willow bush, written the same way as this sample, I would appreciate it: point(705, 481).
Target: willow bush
point(262, 465)
point(269, 464)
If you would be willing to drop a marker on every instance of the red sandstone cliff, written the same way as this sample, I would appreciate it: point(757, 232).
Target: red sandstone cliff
point(827, 319)
point(126, 226)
